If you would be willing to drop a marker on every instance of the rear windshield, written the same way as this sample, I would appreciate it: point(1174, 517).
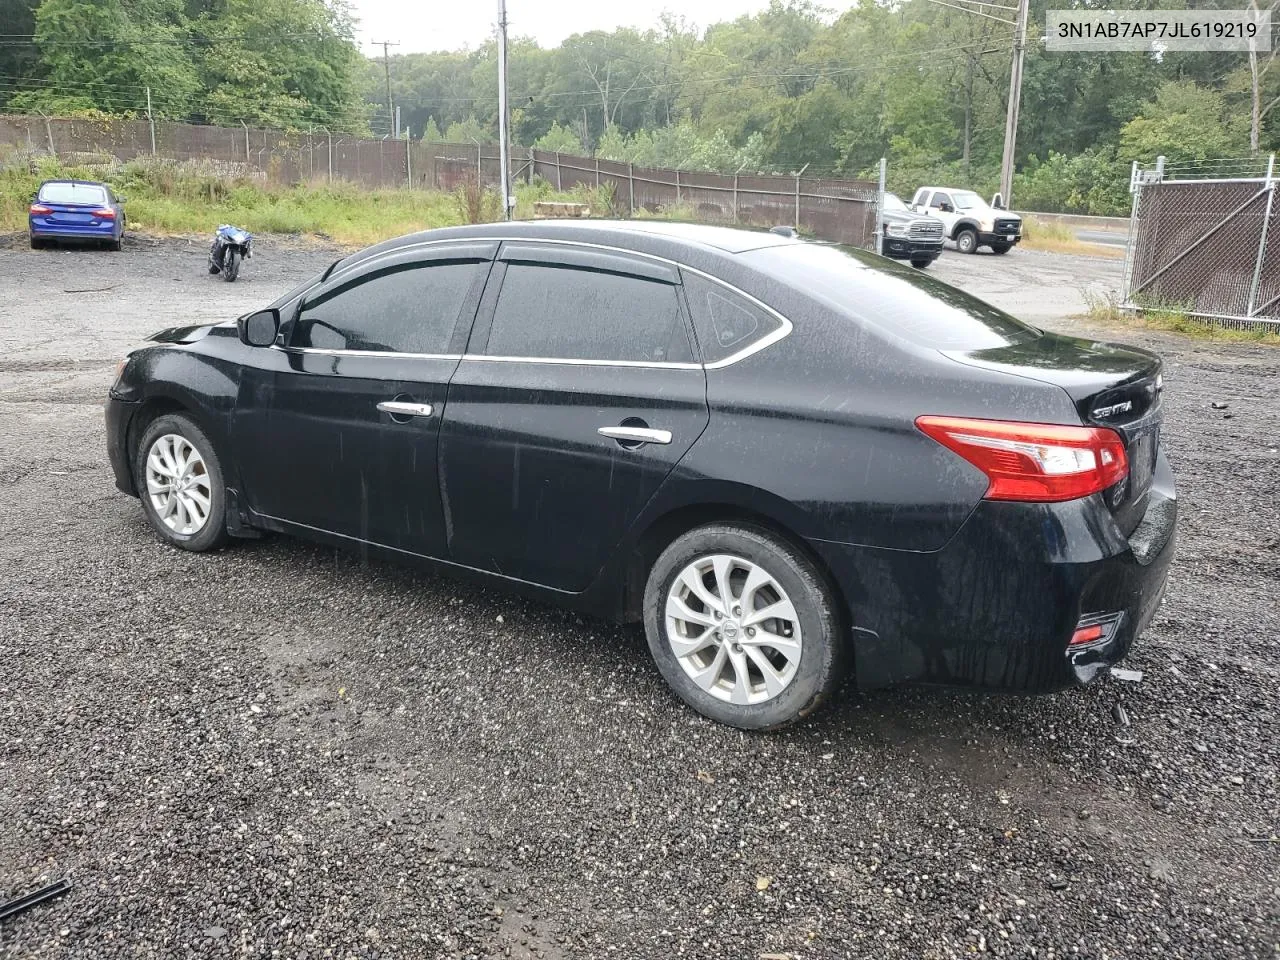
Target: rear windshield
point(73, 193)
point(893, 297)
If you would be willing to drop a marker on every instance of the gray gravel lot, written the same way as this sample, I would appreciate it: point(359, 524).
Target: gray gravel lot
point(279, 750)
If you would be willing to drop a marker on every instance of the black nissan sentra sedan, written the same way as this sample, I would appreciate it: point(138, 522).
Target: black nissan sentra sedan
point(786, 459)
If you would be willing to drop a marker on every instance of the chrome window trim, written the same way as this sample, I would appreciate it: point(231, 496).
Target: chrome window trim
point(326, 352)
point(754, 347)
point(661, 364)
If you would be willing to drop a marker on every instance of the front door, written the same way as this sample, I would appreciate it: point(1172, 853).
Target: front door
point(579, 393)
point(338, 432)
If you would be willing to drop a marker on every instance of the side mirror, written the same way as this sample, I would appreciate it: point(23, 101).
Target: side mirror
point(946, 207)
point(259, 329)
point(119, 199)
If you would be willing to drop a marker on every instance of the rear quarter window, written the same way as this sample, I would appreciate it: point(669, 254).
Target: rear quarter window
point(726, 323)
point(893, 298)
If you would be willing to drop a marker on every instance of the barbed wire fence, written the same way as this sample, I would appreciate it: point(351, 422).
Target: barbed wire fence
point(835, 209)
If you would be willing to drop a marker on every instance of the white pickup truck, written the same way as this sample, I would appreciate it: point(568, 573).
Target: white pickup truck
point(970, 221)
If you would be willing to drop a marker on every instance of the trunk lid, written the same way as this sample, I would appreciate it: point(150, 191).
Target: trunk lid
point(1112, 386)
point(71, 212)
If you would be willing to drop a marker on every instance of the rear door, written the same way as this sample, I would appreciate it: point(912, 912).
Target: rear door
point(579, 392)
point(337, 430)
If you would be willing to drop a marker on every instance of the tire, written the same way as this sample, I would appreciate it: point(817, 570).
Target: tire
point(37, 243)
point(115, 246)
point(922, 264)
point(806, 679)
point(165, 434)
point(967, 241)
point(1001, 247)
point(231, 266)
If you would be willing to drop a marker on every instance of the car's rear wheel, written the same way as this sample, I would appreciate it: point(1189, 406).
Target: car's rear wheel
point(179, 480)
point(743, 626)
point(967, 241)
point(1001, 247)
point(37, 243)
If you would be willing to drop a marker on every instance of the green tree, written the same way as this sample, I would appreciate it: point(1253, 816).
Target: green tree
point(287, 63)
point(560, 140)
point(1185, 121)
point(106, 53)
point(19, 62)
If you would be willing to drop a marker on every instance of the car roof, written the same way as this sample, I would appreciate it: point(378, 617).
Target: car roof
point(78, 183)
point(671, 239)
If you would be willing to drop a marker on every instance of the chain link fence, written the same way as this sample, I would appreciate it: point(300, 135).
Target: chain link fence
point(838, 210)
point(1201, 241)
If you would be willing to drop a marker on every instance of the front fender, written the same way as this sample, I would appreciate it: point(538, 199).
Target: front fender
point(177, 377)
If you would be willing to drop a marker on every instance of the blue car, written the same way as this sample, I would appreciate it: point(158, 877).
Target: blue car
point(76, 210)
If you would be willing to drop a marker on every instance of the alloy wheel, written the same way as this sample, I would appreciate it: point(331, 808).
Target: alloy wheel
point(733, 629)
point(178, 484)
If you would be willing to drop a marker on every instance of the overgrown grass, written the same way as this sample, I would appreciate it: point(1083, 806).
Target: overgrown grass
point(163, 199)
point(1054, 237)
point(1105, 309)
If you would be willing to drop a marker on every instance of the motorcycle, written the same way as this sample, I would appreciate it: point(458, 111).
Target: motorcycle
point(231, 246)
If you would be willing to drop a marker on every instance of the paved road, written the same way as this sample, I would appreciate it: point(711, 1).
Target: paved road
point(1037, 287)
point(278, 750)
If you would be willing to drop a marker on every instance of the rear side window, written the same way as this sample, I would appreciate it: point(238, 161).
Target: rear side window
point(409, 309)
point(560, 312)
point(73, 193)
point(726, 322)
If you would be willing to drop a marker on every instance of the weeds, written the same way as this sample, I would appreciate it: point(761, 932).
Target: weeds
point(1051, 236)
point(163, 197)
point(1105, 309)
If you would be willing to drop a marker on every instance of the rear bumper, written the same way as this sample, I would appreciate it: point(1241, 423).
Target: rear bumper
point(902, 249)
point(119, 416)
point(996, 607)
point(86, 231)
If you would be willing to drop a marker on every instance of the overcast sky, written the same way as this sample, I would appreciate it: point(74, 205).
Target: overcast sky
point(452, 24)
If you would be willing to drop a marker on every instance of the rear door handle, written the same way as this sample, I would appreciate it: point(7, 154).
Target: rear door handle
point(398, 408)
point(636, 434)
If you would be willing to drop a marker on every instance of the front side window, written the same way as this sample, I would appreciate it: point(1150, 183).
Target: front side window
point(558, 312)
point(405, 309)
point(968, 200)
point(939, 199)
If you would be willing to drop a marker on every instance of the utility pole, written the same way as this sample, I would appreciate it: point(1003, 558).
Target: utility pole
point(503, 158)
point(386, 67)
point(151, 122)
point(1015, 97)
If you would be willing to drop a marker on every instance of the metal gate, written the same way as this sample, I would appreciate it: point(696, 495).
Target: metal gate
point(1204, 243)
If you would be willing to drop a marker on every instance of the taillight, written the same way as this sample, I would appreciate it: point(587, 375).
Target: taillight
point(105, 213)
point(39, 209)
point(1038, 462)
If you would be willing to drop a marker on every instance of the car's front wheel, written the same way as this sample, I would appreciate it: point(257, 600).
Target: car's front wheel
point(1001, 247)
point(743, 626)
point(921, 262)
point(179, 480)
point(967, 241)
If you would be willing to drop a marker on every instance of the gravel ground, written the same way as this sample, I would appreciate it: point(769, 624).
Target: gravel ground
point(277, 750)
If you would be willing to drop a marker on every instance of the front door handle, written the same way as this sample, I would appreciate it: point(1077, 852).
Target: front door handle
point(398, 408)
point(636, 434)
